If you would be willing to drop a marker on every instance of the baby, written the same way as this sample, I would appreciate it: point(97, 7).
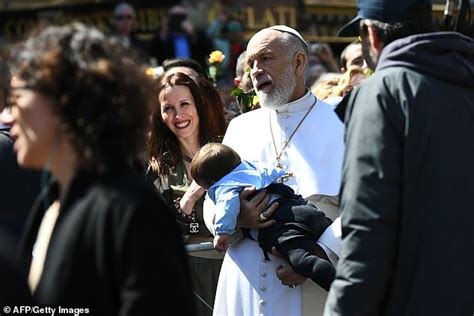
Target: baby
point(299, 223)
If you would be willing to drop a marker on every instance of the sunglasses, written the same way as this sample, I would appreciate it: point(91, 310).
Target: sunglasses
point(123, 17)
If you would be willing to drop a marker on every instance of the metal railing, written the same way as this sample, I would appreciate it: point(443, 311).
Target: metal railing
point(203, 246)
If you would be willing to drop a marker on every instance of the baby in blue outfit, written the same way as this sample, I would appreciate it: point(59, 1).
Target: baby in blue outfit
point(299, 223)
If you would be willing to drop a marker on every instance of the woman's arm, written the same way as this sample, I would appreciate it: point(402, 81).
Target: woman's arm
point(190, 197)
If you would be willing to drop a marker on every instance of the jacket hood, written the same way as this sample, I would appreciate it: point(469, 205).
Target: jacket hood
point(448, 56)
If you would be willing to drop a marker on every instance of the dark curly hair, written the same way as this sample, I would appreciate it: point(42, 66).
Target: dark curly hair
point(164, 152)
point(101, 92)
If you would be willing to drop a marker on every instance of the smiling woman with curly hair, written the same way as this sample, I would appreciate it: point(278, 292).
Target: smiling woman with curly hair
point(96, 238)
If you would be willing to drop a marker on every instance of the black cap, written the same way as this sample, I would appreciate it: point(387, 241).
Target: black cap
point(388, 11)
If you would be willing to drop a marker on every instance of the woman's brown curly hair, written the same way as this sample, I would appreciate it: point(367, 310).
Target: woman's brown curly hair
point(101, 91)
point(164, 152)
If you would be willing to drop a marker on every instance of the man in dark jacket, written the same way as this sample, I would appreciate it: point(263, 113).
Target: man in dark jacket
point(408, 174)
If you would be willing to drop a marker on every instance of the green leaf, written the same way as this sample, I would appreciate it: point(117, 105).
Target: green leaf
point(212, 71)
point(236, 92)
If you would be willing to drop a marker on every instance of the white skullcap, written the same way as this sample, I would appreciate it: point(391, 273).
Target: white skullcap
point(287, 29)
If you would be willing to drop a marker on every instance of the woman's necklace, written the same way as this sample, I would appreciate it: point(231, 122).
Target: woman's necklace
point(278, 154)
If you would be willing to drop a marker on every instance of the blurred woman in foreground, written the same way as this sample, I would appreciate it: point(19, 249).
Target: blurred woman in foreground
point(96, 237)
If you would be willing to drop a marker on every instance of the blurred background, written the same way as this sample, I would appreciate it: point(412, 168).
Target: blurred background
point(317, 20)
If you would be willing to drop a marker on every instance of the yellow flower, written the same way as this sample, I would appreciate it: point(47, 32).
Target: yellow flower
point(154, 72)
point(149, 72)
point(216, 57)
point(255, 100)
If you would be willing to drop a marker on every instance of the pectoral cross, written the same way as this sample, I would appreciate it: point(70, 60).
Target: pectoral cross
point(279, 166)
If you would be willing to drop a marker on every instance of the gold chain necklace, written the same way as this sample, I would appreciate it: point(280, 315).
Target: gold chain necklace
point(278, 154)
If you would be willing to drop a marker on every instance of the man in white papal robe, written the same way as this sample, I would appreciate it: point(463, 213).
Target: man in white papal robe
point(304, 136)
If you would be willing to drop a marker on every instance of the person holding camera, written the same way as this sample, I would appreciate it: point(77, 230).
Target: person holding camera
point(177, 38)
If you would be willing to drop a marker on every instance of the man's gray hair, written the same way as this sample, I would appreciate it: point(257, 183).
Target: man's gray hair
point(292, 45)
point(239, 67)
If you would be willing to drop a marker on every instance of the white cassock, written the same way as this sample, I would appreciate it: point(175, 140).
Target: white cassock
point(248, 284)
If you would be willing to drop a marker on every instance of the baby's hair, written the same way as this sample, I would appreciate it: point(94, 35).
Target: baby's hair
point(212, 162)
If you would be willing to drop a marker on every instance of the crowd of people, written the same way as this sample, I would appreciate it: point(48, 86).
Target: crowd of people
point(317, 188)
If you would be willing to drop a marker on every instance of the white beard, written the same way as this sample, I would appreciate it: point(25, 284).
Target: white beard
point(283, 89)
